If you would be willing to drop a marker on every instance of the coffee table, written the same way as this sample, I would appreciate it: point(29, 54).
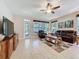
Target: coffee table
point(54, 39)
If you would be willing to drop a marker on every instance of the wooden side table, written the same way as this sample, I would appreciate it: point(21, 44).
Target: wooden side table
point(3, 50)
point(58, 41)
point(77, 40)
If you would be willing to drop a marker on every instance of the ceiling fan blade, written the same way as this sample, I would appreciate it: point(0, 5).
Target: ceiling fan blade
point(56, 7)
point(48, 4)
point(52, 12)
point(42, 10)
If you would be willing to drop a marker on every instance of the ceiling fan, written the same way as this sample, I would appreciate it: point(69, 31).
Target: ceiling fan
point(50, 8)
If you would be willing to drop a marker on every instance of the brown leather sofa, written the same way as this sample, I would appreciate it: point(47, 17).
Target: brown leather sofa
point(67, 35)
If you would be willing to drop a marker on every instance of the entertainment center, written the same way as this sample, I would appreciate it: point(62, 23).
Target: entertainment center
point(9, 43)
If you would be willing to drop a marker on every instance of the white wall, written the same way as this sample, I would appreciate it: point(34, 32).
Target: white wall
point(4, 11)
point(19, 26)
point(18, 21)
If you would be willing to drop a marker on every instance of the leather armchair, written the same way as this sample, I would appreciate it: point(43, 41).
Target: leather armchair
point(41, 34)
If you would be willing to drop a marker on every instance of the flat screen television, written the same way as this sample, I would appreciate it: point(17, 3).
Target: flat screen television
point(1, 26)
point(8, 27)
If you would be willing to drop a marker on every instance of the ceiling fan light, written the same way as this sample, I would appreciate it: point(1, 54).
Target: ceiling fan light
point(48, 11)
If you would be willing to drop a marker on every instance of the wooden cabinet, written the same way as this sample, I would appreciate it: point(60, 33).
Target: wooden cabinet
point(3, 50)
point(14, 42)
point(7, 47)
point(10, 47)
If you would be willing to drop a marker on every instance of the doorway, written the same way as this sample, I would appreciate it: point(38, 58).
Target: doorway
point(26, 29)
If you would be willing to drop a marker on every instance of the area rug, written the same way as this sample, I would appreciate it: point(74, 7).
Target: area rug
point(64, 46)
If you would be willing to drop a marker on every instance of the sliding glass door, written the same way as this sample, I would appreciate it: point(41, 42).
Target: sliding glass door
point(26, 29)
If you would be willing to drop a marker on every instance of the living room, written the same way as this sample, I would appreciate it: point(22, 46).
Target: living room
point(39, 29)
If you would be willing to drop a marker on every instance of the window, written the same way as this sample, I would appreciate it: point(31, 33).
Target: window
point(26, 28)
point(46, 27)
point(40, 26)
point(77, 25)
point(54, 27)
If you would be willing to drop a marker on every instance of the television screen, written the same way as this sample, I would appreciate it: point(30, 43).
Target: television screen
point(8, 27)
point(0, 26)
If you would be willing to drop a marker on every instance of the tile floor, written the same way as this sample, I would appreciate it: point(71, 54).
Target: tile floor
point(63, 46)
point(35, 49)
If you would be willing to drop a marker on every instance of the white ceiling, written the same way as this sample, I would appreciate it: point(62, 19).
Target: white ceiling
point(32, 8)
